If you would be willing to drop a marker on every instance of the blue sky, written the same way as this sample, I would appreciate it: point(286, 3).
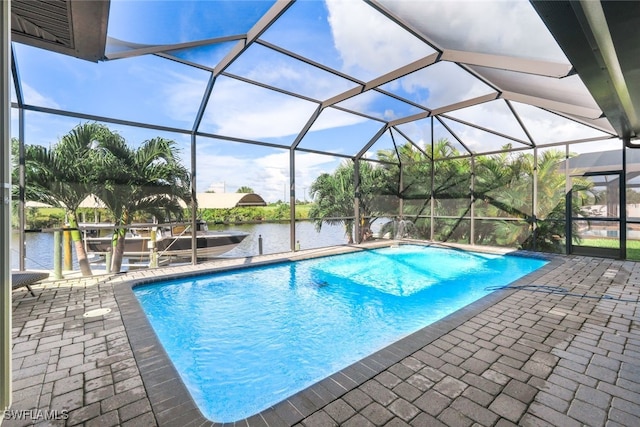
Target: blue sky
point(348, 36)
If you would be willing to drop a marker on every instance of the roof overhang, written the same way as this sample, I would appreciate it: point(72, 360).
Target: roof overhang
point(73, 27)
point(600, 38)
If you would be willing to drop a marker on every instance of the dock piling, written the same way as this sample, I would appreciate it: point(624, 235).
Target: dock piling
point(68, 261)
point(57, 255)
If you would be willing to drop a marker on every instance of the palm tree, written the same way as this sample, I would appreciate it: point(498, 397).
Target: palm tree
point(551, 216)
point(416, 168)
point(62, 176)
point(149, 179)
point(451, 192)
point(451, 184)
point(334, 197)
point(504, 188)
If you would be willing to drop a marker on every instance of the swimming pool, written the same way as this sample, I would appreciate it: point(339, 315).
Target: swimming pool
point(244, 340)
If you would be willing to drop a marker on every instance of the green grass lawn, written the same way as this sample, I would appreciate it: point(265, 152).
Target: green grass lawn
point(302, 210)
point(633, 246)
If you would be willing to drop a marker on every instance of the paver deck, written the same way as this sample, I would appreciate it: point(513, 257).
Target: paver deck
point(565, 352)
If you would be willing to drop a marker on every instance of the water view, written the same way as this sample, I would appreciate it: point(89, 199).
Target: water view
point(275, 239)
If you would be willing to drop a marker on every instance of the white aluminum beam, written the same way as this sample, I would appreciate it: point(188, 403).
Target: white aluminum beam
point(466, 103)
point(373, 140)
point(385, 78)
point(601, 124)
point(509, 63)
point(548, 104)
point(410, 119)
point(136, 49)
point(261, 26)
point(5, 212)
point(446, 109)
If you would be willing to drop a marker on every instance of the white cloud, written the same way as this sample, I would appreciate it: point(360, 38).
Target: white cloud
point(245, 111)
point(369, 43)
point(267, 175)
point(308, 167)
point(33, 97)
point(372, 45)
point(446, 84)
point(481, 142)
point(510, 28)
point(333, 118)
point(546, 127)
point(374, 104)
point(543, 126)
point(297, 77)
point(183, 97)
point(494, 115)
point(496, 27)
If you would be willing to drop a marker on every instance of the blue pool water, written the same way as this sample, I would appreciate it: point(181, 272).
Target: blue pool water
point(247, 339)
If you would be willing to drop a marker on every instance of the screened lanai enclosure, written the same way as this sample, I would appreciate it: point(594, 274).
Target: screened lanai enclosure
point(506, 123)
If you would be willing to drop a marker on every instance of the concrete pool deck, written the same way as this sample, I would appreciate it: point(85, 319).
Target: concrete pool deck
point(565, 353)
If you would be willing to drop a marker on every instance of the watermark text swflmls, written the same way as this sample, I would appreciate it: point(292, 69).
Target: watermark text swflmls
point(35, 414)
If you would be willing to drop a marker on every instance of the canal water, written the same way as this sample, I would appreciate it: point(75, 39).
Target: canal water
point(275, 239)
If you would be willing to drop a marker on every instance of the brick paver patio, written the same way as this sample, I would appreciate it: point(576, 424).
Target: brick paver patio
point(564, 352)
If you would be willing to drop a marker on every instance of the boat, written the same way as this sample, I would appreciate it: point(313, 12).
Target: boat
point(171, 240)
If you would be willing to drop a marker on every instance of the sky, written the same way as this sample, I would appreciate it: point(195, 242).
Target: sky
point(347, 36)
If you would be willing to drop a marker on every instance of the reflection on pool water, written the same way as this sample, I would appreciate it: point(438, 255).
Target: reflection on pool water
point(247, 339)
